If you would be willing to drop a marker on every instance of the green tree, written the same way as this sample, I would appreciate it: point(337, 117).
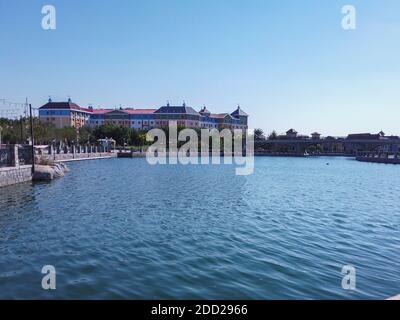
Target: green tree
point(273, 135)
point(258, 134)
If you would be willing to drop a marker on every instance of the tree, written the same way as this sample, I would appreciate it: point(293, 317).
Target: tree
point(86, 135)
point(259, 134)
point(273, 135)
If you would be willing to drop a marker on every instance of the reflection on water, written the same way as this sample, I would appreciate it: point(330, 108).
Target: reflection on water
point(120, 228)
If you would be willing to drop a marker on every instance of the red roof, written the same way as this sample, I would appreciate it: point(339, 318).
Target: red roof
point(219, 115)
point(139, 111)
point(100, 111)
point(74, 106)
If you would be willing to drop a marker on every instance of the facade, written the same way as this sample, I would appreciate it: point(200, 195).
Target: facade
point(68, 114)
point(64, 114)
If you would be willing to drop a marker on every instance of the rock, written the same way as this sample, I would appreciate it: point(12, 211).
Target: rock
point(43, 173)
point(58, 170)
point(64, 166)
point(47, 173)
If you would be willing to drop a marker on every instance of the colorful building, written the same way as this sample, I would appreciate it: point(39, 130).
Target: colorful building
point(68, 114)
point(64, 114)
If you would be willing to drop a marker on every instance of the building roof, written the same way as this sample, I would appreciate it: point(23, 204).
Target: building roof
point(363, 136)
point(239, 112)
point(219, 115)
point(101, 111)
point(74, 106)
point(177, 109)
point(64, 105)
point(205, 110)
point(291, 131)
point(139, 111)
point(315, 134)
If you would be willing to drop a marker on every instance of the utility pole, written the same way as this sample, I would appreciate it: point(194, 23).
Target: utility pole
point(32, 139)
point(22, 133)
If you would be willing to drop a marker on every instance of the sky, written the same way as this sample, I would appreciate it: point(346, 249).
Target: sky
point(288, 63)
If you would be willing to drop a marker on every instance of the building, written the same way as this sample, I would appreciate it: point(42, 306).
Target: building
point(184, 116)
point(139, 119)
point(366, 136)
point(68, 114)
point(64, 114)
point(291, 134)
point(315, 136)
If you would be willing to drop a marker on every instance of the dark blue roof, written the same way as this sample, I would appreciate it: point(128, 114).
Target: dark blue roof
point(177, 109)
point(239, 112)
point(204, 110)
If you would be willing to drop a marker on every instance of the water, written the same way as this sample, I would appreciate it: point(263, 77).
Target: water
point(121, 228)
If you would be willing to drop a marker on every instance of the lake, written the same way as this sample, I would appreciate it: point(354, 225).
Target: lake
point(122, 229)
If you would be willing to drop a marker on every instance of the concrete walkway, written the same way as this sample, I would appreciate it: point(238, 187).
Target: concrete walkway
point(83, 159)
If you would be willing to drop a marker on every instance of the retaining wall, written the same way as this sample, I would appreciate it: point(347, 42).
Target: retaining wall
point(13, 175)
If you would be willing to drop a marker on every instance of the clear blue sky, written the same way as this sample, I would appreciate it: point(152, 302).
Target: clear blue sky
point(288, 63)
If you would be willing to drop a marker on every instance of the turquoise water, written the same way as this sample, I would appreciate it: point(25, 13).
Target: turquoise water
point(121, 228)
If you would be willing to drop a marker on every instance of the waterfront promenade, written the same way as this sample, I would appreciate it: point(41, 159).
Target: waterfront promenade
point(386, 158)
point(16, 165)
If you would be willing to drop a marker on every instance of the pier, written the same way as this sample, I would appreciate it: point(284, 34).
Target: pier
point(124, 153)
point(17, 165)
point(386, 157)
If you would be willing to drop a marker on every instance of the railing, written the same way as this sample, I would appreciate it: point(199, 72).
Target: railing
point(379, 155)
point(76, 149)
